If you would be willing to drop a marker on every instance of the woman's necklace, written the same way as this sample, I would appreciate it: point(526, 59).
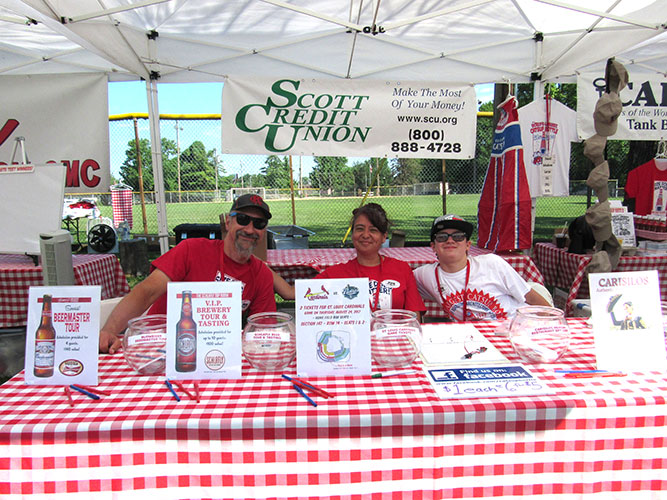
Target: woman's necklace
point(360, 274)
point(465, 289)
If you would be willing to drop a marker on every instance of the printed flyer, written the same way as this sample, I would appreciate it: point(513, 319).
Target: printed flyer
point(203, 330)
point(485, 382)
point(627, 321)
point(62, 335)
point(332, 327)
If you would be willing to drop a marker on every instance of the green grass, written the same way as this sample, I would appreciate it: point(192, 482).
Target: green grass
point(329, 217)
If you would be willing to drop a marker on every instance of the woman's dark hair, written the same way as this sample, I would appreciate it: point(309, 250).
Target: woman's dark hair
point(375, 214)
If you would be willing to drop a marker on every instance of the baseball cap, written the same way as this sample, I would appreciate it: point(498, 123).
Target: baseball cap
point(607, 110)
point(251, 200)
point(451, 221)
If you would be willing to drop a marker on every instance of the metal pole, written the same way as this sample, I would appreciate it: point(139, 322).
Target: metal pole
point(444, 188)
point(141, 176)
point(291, 188)
point(178, 160)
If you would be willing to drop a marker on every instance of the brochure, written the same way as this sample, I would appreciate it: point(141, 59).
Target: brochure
point(485, 382)
point(62, 335)
point(457, 343)
point(627, 321)
point(203, 330)
point(332, 327)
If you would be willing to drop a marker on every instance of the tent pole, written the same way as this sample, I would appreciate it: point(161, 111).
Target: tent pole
point(156, 153)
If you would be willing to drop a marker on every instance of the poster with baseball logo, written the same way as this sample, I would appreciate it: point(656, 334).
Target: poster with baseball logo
point(62, 335)
point(203, 330)
point(332, 327)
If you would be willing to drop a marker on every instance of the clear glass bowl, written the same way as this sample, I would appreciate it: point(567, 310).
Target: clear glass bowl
point(145, 344)
point(539, 334)
point(269, 341)
point(396, 337)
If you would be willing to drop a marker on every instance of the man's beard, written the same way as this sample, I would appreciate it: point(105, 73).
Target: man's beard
point(244, 251)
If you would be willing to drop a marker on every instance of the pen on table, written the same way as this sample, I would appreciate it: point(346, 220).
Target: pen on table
point(197, 390)
point(594, 375)
point(392, 374)
point(83, 391)
point(300, 391)
point(305, 385)
point(171, 389)
point(181, 387)
point(95, 390)
point(69, 396)
point(581, 371)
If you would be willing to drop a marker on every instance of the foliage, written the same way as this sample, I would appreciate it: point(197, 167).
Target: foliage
point(276, 172)
point(129, 172)
point(332, 173)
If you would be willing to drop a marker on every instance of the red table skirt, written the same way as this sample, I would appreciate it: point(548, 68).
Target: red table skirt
point(388, 438)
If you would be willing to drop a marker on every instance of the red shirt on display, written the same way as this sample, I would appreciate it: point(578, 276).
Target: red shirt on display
point(645, 184)
point(398, 288)
point(201, 259)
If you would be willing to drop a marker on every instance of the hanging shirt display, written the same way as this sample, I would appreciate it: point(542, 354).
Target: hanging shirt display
point(547, 138)
point(647, 184)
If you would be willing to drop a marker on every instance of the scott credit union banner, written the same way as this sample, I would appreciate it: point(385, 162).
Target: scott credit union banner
point(288, 116)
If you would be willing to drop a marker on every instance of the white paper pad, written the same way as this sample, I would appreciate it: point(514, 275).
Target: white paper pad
point(448, 343)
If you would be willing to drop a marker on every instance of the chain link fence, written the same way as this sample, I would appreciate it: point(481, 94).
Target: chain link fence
point(321, 192)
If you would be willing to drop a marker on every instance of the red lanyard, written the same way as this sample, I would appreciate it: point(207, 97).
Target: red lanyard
point(374, 304)
point(465, 289)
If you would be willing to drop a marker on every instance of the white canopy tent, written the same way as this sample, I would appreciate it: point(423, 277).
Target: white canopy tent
point(478, 41)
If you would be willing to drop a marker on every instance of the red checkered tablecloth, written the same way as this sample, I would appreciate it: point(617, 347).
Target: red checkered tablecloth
point(568, 270)
point(18, 273)
point(388, 438)
point(307, 263)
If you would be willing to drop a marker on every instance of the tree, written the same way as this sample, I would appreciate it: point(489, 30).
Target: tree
point(197, 168)
point(406, 170)
point(332, 173)
point(277, 172)
point(129, 173)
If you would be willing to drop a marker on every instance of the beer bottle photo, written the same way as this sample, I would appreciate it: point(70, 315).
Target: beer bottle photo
point(186, 337)
point(45, 342)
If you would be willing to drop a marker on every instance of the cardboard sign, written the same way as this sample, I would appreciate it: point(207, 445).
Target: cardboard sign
point(62, 336)
point(332, 327)
point(627, 321)
point(203, 330)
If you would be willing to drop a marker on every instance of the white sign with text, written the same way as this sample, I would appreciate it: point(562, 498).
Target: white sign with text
point(62, 335)
point(332, 327)
point(203, 330)
point(348, 118)
point(627, 321)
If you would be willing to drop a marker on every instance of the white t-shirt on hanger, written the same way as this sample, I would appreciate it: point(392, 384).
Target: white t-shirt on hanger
point(539, 142)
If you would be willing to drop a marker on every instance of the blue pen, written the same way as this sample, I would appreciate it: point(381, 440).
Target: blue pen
point(83, 391)
point(171, 388)
point(300, 391)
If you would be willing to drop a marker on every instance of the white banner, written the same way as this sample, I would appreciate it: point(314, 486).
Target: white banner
point(348, 118)
point(644, 115)
point(64, 119)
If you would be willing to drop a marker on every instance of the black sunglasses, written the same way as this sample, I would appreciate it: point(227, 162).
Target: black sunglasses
point(245, 219)
point(443, 237)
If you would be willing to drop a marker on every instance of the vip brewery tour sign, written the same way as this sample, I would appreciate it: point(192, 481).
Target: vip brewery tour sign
point(348, 118)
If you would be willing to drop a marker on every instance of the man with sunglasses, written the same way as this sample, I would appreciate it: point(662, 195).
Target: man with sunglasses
point(201, 259)
point(470, 288)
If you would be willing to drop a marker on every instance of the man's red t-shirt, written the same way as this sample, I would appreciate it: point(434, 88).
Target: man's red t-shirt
point(201, 259)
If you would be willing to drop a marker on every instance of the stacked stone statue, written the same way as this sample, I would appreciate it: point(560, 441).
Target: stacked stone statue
point(605, 118)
